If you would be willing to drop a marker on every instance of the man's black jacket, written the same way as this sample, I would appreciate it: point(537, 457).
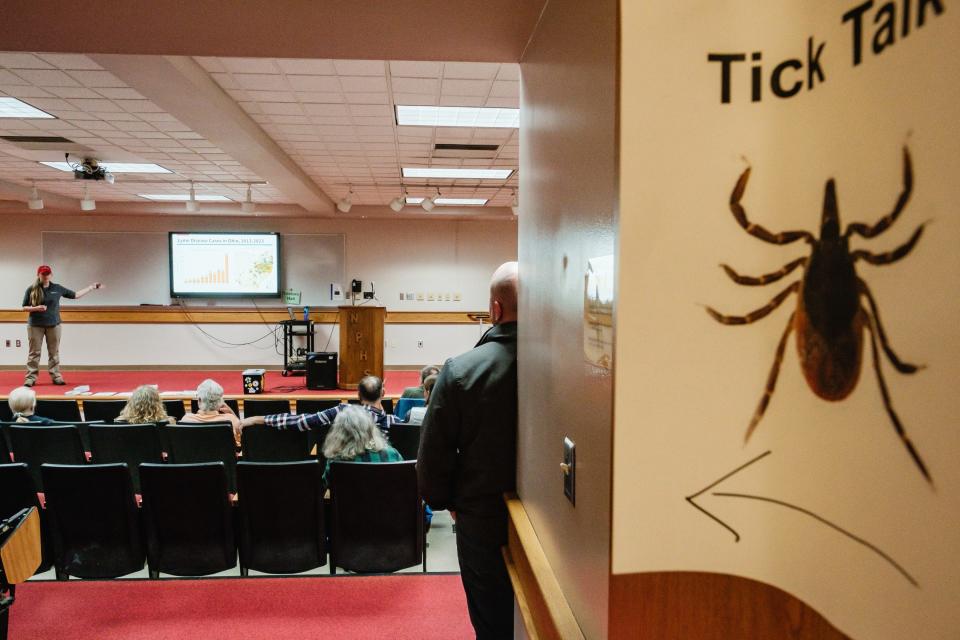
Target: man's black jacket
point(468, 450)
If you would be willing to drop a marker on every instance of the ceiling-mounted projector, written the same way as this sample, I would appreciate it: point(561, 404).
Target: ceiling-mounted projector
point(90, 169)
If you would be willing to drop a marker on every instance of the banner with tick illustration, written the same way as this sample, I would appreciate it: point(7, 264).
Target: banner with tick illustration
point(787, 357)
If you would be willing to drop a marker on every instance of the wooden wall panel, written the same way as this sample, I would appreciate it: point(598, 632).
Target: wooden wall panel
point(709, 606)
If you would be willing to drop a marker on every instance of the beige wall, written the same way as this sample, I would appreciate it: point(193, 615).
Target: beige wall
point(687, 386)
point(568, 205)
point(401, 255)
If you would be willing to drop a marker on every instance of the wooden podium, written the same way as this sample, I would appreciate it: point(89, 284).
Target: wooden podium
point(361, 344)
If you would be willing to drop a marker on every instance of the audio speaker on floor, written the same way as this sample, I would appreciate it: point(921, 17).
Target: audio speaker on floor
point(321, 370)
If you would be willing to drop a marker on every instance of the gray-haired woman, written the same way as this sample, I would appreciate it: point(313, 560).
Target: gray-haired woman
point(354, 437)
point(212, 408)
point(23, 402)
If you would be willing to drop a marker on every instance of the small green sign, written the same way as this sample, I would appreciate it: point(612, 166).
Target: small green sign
point(291, 297)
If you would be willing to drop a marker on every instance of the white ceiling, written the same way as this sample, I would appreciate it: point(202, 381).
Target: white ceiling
point(333, 118)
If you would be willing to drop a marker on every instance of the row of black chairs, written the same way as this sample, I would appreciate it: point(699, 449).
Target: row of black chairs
point(183, 443)
point(92, 526)
point(108, 410)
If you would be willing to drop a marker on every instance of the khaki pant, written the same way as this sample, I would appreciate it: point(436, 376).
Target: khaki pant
point(35, 337)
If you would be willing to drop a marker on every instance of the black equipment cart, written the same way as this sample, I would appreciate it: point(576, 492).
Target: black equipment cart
point(295, 358)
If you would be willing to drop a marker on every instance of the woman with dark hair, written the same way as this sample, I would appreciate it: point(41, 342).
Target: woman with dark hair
point(42, 300)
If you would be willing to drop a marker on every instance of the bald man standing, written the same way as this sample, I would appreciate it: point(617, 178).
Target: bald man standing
point(468, 456)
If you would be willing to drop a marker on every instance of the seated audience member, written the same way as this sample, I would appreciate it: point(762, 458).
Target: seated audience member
point(416, 414)
point(418, 392)
point(144, 406)
point(212, 408)
point(370, 393)
point(23, 402)
point(353, 438)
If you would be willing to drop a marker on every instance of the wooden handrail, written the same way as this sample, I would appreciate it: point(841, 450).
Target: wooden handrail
point(546, 613)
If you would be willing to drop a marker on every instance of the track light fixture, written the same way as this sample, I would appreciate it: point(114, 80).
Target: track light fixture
point(346, 202)
point(192, 205)
point(397, 203)
point(430, 201)
point(248, 205)
point(87, 204)
point(35, 203)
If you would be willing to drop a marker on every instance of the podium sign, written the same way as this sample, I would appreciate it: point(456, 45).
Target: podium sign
point(361, 344)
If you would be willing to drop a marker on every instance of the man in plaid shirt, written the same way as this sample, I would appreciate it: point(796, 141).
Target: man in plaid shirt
point(370, 393)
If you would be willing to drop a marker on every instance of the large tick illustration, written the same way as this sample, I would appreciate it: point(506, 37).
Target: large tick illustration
point(829, 318)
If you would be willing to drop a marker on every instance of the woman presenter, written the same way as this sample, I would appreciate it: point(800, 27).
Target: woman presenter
point(42, 300)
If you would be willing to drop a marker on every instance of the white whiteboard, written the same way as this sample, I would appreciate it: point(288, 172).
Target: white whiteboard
point(134, 267)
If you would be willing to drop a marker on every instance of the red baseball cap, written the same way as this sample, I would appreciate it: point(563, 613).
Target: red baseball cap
point(44, 270)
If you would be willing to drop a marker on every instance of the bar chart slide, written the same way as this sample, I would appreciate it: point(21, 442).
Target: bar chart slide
point(224, 264)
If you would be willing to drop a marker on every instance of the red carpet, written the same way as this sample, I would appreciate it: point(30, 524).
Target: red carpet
point(388, 607)
point(395, 381)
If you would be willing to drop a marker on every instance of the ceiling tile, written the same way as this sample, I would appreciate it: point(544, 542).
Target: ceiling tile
point(360, 67)
point(367, 98)
point(326, 109)
point(328, 84)
point(470, 70)
point(47, 77)
point(423, 99)
point(23, 61)
point(70, 61)
point(505, 89)
point(415, 69)
point(97, 79)
point(249, 65)
point(258, 82)
point(428, 86)
point(465, 88)
point(124, 93)
point(512, 103)
point(213, 65)
point(461, 101)
point(100, 105)
point(293, 66)
point(75, 92)
point(281, 108)
point(271, 96)
point(361, 84)
point(509, 71)
point(319, 97)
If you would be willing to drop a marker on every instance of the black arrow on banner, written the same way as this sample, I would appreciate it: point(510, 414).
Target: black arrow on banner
point(736, 536)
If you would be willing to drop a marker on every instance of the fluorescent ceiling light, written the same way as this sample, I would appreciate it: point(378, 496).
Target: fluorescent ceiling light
point(479, 174)
point(497, 117)
point(443, 202)
point(13, 108)
point(115, 167)
point(183, 197)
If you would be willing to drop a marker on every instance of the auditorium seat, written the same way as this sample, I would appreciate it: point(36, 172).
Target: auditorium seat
point(405, 404)
point(174, 408)
point(59, 410)
point(6, 415)
point(189, 443)
point(19, 492)
point(188, 519)
point(231, 402)
point(377, 517)
point(266, 444)
point(94, 520)
point(405, 438)
point(52, 444)
point(264, 407)
point(281, 517)
point(129, 443)
point(5, 456)
point(102, 410)
point(315, 405)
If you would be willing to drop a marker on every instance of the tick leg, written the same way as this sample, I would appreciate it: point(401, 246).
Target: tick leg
point(890, 218)
point(753, 316)
point(764, 279)
point(754, 229)
point(899, 365)
point(771, 380)
point(886, 399)
point(889, 256)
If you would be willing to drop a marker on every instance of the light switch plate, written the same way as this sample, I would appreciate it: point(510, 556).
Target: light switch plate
point(570, 470)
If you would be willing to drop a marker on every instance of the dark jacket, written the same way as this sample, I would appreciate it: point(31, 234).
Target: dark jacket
point(468, 450)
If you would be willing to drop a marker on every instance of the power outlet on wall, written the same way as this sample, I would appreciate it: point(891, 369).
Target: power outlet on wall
point(8, 343)
point(18, 343)
point(419, 344)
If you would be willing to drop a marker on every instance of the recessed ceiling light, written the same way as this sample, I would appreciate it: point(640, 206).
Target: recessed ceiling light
point(115, 167)
point(183, 197)
point(13, 108)
point(479, 174)
point(497, 117)
point(444, 202)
